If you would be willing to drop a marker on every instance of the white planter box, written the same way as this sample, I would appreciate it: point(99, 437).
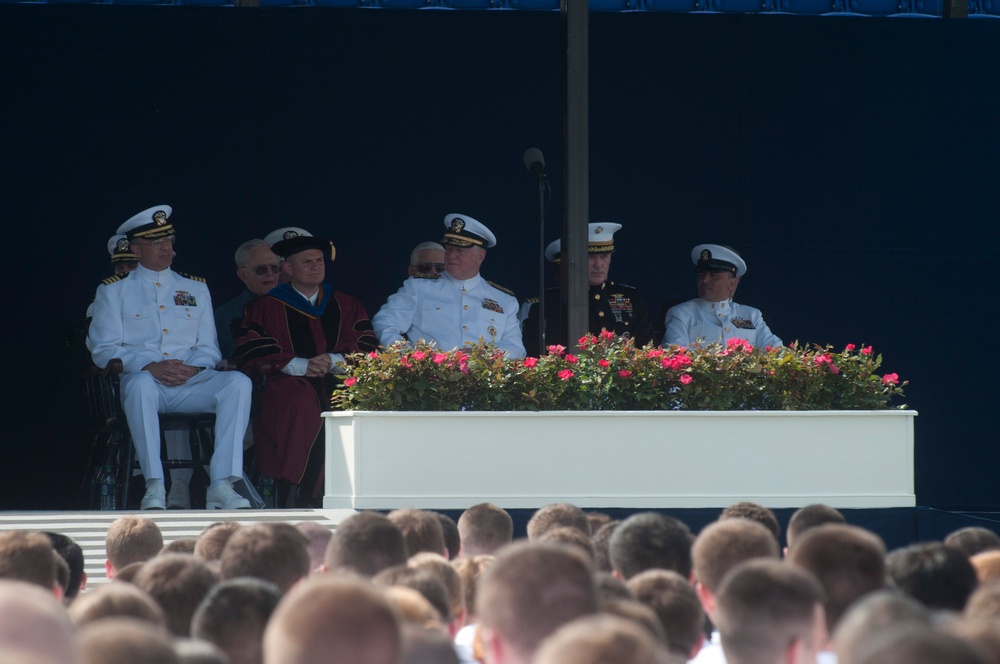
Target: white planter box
point(634, 459)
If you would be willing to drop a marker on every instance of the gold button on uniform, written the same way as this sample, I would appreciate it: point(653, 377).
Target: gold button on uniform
point(597, 296)
point(725, 329)
point(465, 327)
point(166, 331)
point(466, 307)
point(162, 307)
point(157, 284)
point(600, 314)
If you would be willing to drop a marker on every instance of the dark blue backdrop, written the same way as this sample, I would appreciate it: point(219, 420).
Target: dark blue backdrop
point(853, 161)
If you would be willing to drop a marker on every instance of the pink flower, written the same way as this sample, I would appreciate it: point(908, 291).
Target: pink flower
point(350, 381)
point(463, 365)
point(849, 347)
point(530, 362)
point(405, 362)
point(373, 355)
point(656, 352)
point(834, 369)
point(556, 349)
point(603, 363)
point(607, 334)
point(890, 379)
point(823, 359)
point(739, 344)
point(571, 359)
point(565, 374)
point(419, 355)
point(867, 350)
point(685, 379)
point(624, 373)
point(583, 341)
point(439, 358)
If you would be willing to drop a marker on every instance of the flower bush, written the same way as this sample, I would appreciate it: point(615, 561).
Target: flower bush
point(609, 373)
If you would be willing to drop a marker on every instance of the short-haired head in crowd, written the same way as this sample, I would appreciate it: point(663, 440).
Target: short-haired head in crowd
point(414, 608)
point(127, 574)
point(984, 602)
point(452, 538)
point(938, 575)
point(196, 651)
point(213, 539)
point(987, 565)
point(451, 581)
point(421, 530)
point(650, 540)
point(602, 545)
point(871, 615)
point(602, 638)
point(122, 600)
point(983, 635)
point(29, 557)
point(529, 591)
point(557, 515)
point(318, 537)
point(131, 539)
point(274, 552)
point(597, 520)
point(721, 546)
point(71, 552)
point(676, 605)
point(770, 612)
point(426, 646)
point(610, 588)
point(233, 616)
point(973, 540)
point(62, 575)
point(33, 622)
point(847, 560)
point(471, 569)
point(330, 619)
point(640, 614)
point(484, 528)
point(366, 543)
point(808, 517)
point(126, 641)
point(178, 582)
point(572, 537)
point(180, 545)
point(916, 644)
point(423, 580)
point(754, 512)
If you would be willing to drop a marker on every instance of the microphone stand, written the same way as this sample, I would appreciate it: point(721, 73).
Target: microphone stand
point(541, 262)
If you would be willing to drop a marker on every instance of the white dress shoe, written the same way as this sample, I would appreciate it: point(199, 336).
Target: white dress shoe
point(155, 498)
point(179, 497)
point(222, 497)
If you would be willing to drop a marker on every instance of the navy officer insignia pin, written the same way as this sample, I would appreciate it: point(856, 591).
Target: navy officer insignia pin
point(185, 299)
point(457, 224)
point(492, 305)
point(123, 245)
point(705, 255)
point(742, 323)
point(288, 235)
point(160, 217)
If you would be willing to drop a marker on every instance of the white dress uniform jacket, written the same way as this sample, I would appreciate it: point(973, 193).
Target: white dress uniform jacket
point(699, 322)
point(451, 313)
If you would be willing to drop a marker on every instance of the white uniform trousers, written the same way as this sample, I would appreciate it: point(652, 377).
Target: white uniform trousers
point(225, 393)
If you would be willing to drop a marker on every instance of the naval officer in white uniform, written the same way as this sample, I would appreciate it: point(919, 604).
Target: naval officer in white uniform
point(159, 323)
point(713, 317)
point(460, 307)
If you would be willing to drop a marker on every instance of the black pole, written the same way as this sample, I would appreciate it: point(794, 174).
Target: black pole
point(573, 257)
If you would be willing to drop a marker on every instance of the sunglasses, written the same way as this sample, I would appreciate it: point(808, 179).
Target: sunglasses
point(428, 267)
point(261, 270)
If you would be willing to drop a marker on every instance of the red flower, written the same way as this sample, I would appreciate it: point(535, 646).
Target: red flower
point(624, 373)
point(867, 350)
point(834, 369)
point(823, 359)
point(849, 347)
point(607, 334)
point(571, 359)
point(350, 381)
point(373, 355)
point(405, 362)
point(583, 341)
point(439, 358)
point(656, 352)
point(685, 379)
point(739, 344)
point(530, 361)
point(565, 374)
point(419, 355)
point(556, 349)
point(890, 379)
point(603, 363)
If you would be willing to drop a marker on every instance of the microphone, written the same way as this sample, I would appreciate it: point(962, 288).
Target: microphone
point(534, 161)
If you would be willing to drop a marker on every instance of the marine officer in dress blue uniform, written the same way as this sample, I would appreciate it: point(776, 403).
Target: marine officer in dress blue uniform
point(460, 307)
point(159, 323)
point(713, 317)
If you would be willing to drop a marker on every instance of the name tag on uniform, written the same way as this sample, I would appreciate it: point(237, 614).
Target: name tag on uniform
point(184, 299)
point(492, 305)
point(742, 323)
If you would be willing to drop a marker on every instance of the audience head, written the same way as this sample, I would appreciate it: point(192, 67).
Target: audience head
point(366, 543)
point(427, 260)
point(471, 570)
point(599, 639)
point(987, 565)
point(753, 512)
point(233, 616)
point(421, 530)
point(29, 557)
point(213, 540)
point(769, 612)
point(71, 552)
point(571, 537)
point(126, 641)
point(178, 583)
point(808, 517)
point(426, 646)
point(937, 575)
point(530, 590)
point(848, 561)
point(195, 651)
point(449, 578)
point(602, 546)
point(611, 588)
point(984, 602)
point(872, 614)
point(424, 581)
point(331, 620)
point(116, 600)
point(180, 545)
point(318, 537)
point(641, 615)
point(274, 552)
point(973, 540)
point(557, 515)
point(452, 538)
point(484, 528)
point(34, 623)
point(650, 540)
point(723, 545)
point(131, 539)
point(676, 605)
point(413, 608)
point(913, 644)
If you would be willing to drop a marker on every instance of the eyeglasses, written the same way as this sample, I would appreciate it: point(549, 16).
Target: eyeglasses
point(261, 270)
point(155, 243)
point(428, 267)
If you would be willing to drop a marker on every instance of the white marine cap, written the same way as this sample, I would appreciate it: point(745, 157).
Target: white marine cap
point(464, 231)
point(600, 240)
point(717, 258)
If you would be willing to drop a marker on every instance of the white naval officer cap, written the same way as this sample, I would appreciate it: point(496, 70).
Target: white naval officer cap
point(464, 231)
point(151, 223)
point(121, 252)
point(552, 251)
point(290, 240)
point(284, 234)
point(600, 240)
point(717, 258)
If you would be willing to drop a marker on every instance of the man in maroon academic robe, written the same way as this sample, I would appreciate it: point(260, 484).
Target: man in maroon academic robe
point(297, 335)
